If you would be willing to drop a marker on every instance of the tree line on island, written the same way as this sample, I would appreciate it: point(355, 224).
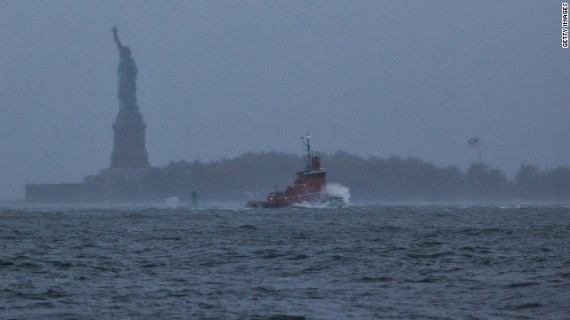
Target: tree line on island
point(252, 175)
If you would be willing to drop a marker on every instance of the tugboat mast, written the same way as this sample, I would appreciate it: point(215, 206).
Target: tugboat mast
point(308, 149)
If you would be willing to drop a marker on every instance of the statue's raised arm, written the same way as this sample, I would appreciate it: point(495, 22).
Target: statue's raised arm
point(124, 51)
point(116, 38)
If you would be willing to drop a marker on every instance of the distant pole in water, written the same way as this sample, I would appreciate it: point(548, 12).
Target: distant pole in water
point(194, 199)
point(476, 143)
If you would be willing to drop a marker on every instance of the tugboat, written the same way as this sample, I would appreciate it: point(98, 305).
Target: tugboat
point(308, 187)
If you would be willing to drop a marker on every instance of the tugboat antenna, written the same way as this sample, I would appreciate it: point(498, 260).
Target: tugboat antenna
point(308, 144)
point(309, 148)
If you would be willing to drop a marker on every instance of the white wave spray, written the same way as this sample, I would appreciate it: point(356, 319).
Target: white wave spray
point(335, 190)
point(338, 190)
point(172, 202)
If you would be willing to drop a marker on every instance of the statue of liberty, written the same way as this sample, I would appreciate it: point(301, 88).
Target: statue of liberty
point(127, 74)
point(129, 147)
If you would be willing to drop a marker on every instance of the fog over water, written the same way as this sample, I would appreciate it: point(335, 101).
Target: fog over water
point(220, 78)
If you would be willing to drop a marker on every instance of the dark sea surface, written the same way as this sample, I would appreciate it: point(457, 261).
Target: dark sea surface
point(376, 262)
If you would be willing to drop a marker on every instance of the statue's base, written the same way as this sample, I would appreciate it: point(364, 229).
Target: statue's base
point(129, 149)
point(111, 184)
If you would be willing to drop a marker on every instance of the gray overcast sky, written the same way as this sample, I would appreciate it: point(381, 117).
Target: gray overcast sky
point(219, 78)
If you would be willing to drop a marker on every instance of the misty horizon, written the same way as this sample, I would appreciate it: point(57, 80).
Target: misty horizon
point(220, 79)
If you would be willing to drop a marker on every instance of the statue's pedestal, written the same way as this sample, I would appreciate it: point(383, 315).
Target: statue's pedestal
point(129, 149)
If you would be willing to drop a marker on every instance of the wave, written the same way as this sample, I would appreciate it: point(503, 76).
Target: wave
point(338, 190)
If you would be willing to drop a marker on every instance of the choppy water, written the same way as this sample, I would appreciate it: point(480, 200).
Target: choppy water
point(353, 263)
